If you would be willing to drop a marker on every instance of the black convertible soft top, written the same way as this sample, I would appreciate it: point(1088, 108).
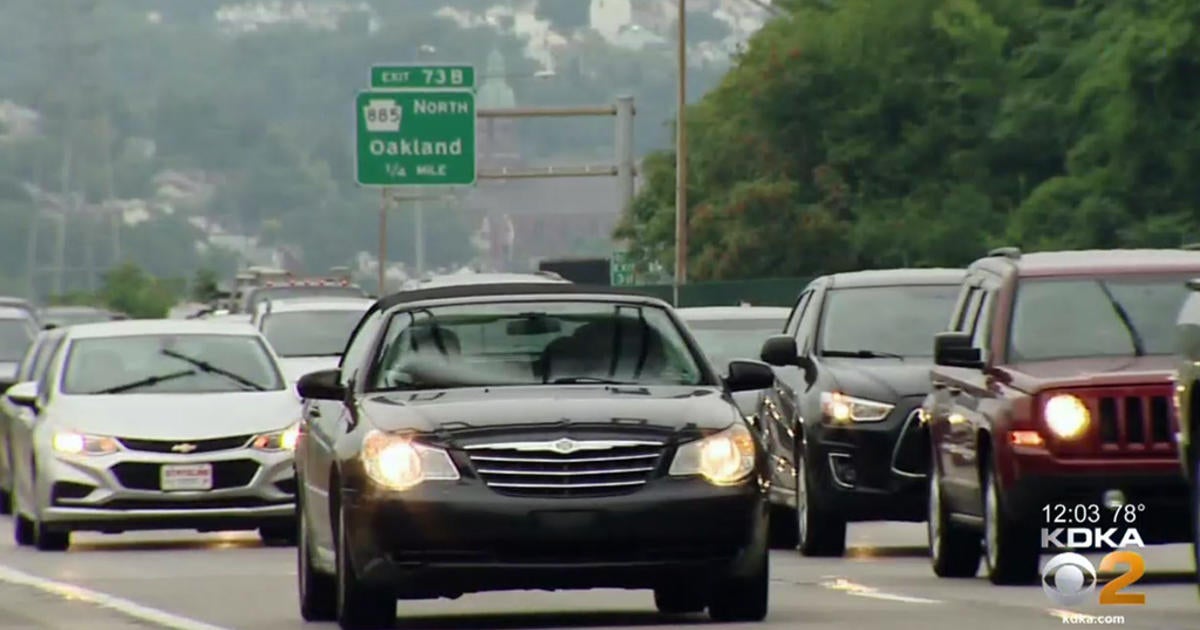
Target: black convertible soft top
point(501, 289)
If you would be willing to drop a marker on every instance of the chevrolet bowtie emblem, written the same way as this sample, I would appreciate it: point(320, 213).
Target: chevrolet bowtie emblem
point(183, 448)
point(565, 445)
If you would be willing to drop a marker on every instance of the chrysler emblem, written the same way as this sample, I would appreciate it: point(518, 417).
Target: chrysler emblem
point(183, 448)
point(565, 445)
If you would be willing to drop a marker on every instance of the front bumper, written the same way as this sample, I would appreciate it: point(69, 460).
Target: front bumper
point(873, 470)
point(448, 539)
point(121, 491)
point(1038, 480)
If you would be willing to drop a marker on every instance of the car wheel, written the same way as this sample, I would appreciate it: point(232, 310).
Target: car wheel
point(819, 532)
point(1010, 546)
point(954, 550)
point(743, 598)
point(358, 605)
point(1196, 517)
point(278, 536)
point(318, 591)
point(5, 502)
point(783, 527)
point(678, 600)
point(46, 539)
point(23, 530)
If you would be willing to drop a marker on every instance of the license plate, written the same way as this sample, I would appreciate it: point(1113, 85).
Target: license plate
point(183, 477)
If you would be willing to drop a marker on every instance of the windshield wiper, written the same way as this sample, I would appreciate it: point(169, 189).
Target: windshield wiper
point(1139, 348)
point(588, 380)
point(143, 382)
point(205, 366)
point(861, 354)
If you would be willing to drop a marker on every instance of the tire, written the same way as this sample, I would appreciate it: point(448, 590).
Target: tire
point(359, 607)
point(679, 600)
point(743, 599)
point(1010, 546)
point(23, 529)
point(820, 533)
point(783, 527)
point(318, 591)
point(46, 539)
point(278, 536)
point(5, 502)
point(1196, 517)
point(954, 551)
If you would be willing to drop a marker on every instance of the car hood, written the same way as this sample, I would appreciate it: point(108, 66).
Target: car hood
point(885, 380)
point(658, 407)
point(177, 416)
point(294, 368)
point(1089, 372)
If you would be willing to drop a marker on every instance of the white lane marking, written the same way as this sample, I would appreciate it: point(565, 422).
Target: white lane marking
point(123, 606)
point(859, 590)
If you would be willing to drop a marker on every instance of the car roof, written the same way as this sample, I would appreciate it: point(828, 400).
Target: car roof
point(137, 327)
point(346, 303)
point(519, 289)
point(491, 278)
point(1091, 261)
point(697, 313)
point(894, 277)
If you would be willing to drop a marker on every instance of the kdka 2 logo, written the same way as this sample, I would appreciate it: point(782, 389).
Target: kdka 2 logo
point(1069, 578)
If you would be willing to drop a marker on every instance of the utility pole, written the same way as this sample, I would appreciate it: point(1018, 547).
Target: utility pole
point(681, 162)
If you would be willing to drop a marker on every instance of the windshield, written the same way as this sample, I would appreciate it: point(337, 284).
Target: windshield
point(16, 335)
point(169, 364)
point(890, 321)
point(310, 333)
point(533, 343)
point(1095, 317)
point(724, 340)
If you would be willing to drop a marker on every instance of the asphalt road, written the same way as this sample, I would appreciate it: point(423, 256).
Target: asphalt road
point(229, 581)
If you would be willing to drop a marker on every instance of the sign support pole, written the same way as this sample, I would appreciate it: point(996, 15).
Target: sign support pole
point(383, 208)
point(419, 236)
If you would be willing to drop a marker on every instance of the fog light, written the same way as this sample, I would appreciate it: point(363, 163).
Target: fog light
point(1114, 499)
point(843, 470)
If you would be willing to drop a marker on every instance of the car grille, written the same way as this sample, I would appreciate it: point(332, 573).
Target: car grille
point(1135, 423)
point(235, 473)
point(186, 446)
point(552, 469)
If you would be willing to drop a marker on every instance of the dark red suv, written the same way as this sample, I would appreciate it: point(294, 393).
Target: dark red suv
point(1052, 391)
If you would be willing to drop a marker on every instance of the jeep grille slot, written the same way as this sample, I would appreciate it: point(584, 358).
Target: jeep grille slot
point(1134, 423)
point(593, 468)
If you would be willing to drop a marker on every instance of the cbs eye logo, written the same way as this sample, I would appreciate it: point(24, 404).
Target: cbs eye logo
point(1069, 578)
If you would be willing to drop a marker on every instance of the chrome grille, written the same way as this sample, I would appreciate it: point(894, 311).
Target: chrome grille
point(566, 468)
point(186, 446)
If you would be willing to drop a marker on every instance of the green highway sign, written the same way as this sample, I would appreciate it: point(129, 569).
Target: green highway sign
point(415, 138)
point(408, 77)
point(620, 270)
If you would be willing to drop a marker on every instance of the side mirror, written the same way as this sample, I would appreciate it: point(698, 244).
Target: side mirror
point(23, 394)
point(746, 376)
point(954, 349)
point(1193, 284)
point(321, 385)
point(49, 326)
point(780, 350)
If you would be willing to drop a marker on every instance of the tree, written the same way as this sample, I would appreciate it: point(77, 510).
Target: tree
point(130, 290)
point(205, 286)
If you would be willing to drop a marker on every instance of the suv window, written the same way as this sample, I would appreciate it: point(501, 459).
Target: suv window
point(1064, 318)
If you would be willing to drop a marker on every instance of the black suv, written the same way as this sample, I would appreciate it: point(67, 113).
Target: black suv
point(842, 420)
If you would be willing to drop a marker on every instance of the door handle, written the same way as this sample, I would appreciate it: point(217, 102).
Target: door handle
point(954, 391)
point(939, 385)
point(314, 412)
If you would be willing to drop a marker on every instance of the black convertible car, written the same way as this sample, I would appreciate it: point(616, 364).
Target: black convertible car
point(528, 436)
point(842, 421)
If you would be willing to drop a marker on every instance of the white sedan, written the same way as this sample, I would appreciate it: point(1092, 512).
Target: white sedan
point(162, 424)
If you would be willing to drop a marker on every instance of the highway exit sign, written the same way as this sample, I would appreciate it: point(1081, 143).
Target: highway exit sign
point(407, 77)
point(415, 137)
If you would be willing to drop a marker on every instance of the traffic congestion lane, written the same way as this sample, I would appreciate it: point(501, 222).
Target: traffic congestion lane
point(230, 581)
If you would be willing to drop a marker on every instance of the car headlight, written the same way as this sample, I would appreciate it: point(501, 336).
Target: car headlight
point(1066, 415)
point(842, 408)
point(284, 440)
point(724, 458)
point(71, 443)
point(399, 463)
